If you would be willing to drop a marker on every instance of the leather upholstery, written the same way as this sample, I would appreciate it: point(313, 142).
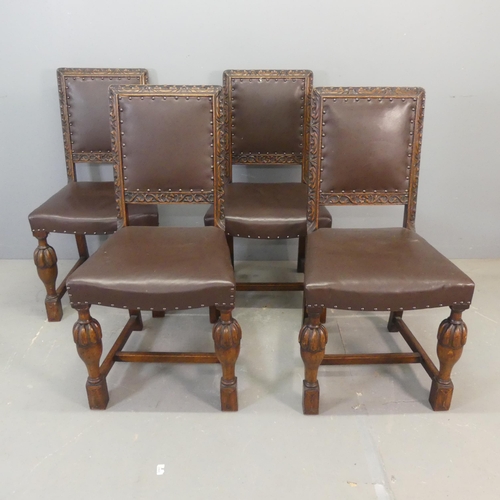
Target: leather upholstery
point(366, 144)
point(163, 268)
point(86, 208)
point(380, 269)
point(88, 103)
point(267, 115)
point(324, 218)
point(181, 159)
point(266, 210)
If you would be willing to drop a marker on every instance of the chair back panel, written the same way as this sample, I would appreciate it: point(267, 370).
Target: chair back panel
point(268, 114)
point(84, 102)
point(365, 147)
point(166, 142)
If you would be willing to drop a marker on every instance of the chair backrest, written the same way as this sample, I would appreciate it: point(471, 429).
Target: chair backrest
point(84, 103)
point(166, 139)
point(365, 148)
point(268, 117)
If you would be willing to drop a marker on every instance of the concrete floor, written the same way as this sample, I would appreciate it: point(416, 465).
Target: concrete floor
point(376, 436)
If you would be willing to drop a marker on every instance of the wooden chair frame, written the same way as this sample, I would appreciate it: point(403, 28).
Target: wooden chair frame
point(452, 332)
point(226, 330)
point(45, 256)
point(259, 158)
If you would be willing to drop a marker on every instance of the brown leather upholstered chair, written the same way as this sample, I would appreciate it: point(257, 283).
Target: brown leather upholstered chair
point(82, 208)
point(268, 120)
point(166, 142)
point(366, 150)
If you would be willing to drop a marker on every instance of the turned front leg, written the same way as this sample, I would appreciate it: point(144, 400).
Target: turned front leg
point(312, 338)
point(226, 333)
point(87, 336)
point(452, 336)
point(46, 265)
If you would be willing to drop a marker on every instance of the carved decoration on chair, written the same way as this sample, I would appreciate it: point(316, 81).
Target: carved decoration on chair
point(169, 197)
point(372, 198)
point(222, 158)
point(313, 164)
point(266, 74)
point(268, 158)
point(87, 73)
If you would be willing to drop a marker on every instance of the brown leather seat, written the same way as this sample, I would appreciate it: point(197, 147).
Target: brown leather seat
point(268, 114)
point(143, 268)
point(168, 151)
point(82, 208)
point(392, 269)
point(275, 220)
point(366, 150)
point(86, 208)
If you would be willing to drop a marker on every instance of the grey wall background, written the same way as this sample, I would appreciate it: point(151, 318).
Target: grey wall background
point(450, 47)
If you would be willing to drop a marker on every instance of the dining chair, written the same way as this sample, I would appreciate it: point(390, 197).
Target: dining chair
point(82, 208)
point(268, 115)
point(366, 145)
point(166, 144)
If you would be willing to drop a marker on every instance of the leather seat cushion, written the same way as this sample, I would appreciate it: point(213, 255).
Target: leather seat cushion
point(324, 219)
point(380, 269)
point(159, 268)
point(87, 208)
point(266, 210)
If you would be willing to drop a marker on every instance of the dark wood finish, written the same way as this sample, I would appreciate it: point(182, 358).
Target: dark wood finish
point(452, 336)
point(46, 265)
point(408, 199)
point(268, 158)
point(372, 359)
point(312, 339)
point(415, 346)
point(165, 357)
point(301, 259)
point(45, 256)
point(227, 336)
point(158, 314)
point(87, 336)
point(226, 330)
point(452, 332)
point(214, 314)
point(270, 287)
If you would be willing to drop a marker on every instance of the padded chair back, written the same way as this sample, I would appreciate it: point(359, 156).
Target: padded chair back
point(83, 99)
point(268, 114)
point(365, 148)
point(166, 141)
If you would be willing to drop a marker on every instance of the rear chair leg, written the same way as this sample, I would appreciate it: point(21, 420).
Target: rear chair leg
point(87, 335)
point(230, 244)
point(312, 338)
point(46, 265)
point(302, 254)
point(452, 335)
point(227, 336)
point(214, 314)
point(391, 324)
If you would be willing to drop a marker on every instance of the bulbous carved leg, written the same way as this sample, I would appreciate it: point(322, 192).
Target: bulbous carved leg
point(452, 335)
point(87, 335)
point(312, 339)
point(391, 325)
point(227, 336)
point(46, 265)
